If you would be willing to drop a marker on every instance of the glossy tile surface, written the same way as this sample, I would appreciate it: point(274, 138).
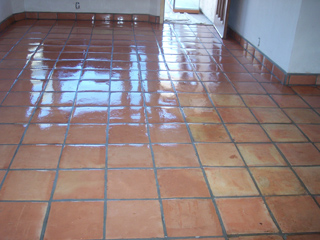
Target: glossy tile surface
point(120, 130)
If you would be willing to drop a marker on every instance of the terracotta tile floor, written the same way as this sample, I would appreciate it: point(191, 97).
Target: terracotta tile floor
point(120, 130)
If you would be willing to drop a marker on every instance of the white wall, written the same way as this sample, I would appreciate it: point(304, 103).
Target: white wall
point(97, 6)
point(305, 56)
point(273, 21)
point(17, 6)
point(5, 9)
point(208, 8)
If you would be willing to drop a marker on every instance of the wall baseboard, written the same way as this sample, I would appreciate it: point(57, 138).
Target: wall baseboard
point(78, 17)
point(284, 77)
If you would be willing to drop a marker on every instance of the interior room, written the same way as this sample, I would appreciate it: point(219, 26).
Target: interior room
point(117, 124)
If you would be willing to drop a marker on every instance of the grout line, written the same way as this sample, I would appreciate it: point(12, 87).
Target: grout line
point(63, 144)
point(275, 143)
point(107, 144)
point(256, 185)
point(152, 152)
point(33, 111)
point(223, 229)
point(248, 169)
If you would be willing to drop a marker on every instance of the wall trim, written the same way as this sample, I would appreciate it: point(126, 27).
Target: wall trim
point(78, 17)
point(285, 78)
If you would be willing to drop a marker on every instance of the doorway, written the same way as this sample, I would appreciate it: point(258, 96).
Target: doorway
point(185, 12)
point(188, 6)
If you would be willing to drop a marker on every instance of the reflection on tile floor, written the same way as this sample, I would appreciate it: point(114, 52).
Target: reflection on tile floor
point(121, 130)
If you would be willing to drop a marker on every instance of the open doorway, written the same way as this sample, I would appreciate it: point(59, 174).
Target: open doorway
point(188, 6)
point(184, 11)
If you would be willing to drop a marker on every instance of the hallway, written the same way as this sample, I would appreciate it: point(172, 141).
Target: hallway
point(136, 130)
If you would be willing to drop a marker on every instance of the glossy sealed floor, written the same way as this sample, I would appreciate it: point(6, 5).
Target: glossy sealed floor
point(120, 131)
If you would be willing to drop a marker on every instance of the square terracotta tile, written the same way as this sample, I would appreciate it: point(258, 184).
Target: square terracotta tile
point(258, 237)
point(164, 115)
point(21, 99)
point(45, 133)
point(161, 99)
point(95, 74)
point(247, 133)
point(302, 209)
point(310, 176)
point(51, 115)
point(209, 133)
point(11, 134)
point(277, 181)
point(284, 133)
point(5, 85)
point(201, 115)
point(21, 220)
point(134, 219)
point(194, 100)
point(15, 114)
point(92, 99)
point(219, 87)
point(303, 115)
point(300, 153)
point(157, 86)
point(236, 115)
point(245, 216)
point(94, 86)
point(37, 157)
point(261, 155)
point(219, 154)
point(127, 115)
point(128, 133)
point(289, 101)
point(240, 77)
point(231, 182)
point(81, 134)
point(169, 133)
point(232, 67)
point(80, 184)
point(131, 184)
point(313, 101)
point(258, 101)
point(65, 74)
point(312, 131)
point(249, 88)
point(7, 152)
point(28, 86)
point(191, 217)
point(270, 115)
point(304, 237)
point(55, 86)
point(175, 155)
point(306, 90)
point(57, 99)
point(188, 86)
point(126, 99)
point(90, 115)
point(83, 157)
point(2, 174)
point(75, 220)
point(226, 100)
point(27, 185)
point(129, 156)
point(277, 88)
point(176, 183)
